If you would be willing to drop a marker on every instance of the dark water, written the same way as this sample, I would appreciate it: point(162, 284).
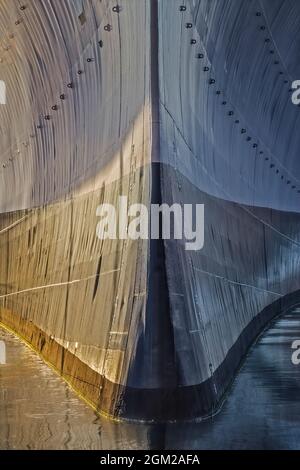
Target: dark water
point(39, 411)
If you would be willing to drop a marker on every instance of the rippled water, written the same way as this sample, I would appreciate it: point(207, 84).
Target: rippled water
point(39, 411)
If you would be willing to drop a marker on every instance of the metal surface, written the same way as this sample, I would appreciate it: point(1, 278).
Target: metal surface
point(159, 103)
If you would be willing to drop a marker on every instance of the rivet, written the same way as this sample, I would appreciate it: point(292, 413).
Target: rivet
point(182, 8)
point(62, 96)
point(47, 117)
point(200, 56)
point(90, 59)
point(218, 92)
point(272, 165)
point(271, 51)
point(188, 25)
point(80, 72)
point(262, 28)
point(249, 138)
point(261, 152)
point(70, 85)
point(258, 13)
point(205, 69)
point(267, 40)
point(237, 121)
point(107, 27)
point(193, 41)
point(116, 9)
point(54, 107)
point(288, 182)
point(230, 113)
point(23, 7)
point(293, 187)
point(255, 146)
point(100, 43)
point(224, 103)
point(212, 81)
point(276, 62)
point(243, 131)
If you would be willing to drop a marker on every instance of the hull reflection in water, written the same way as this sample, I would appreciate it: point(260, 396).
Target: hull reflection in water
point(39, 411)
point(160, 101)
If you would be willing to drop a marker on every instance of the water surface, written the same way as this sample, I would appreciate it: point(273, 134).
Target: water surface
point(38, 410)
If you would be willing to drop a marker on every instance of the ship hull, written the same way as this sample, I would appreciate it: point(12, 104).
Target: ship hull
point(145, 329)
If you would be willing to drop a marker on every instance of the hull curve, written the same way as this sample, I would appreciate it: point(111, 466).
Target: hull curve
point(177, 111)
